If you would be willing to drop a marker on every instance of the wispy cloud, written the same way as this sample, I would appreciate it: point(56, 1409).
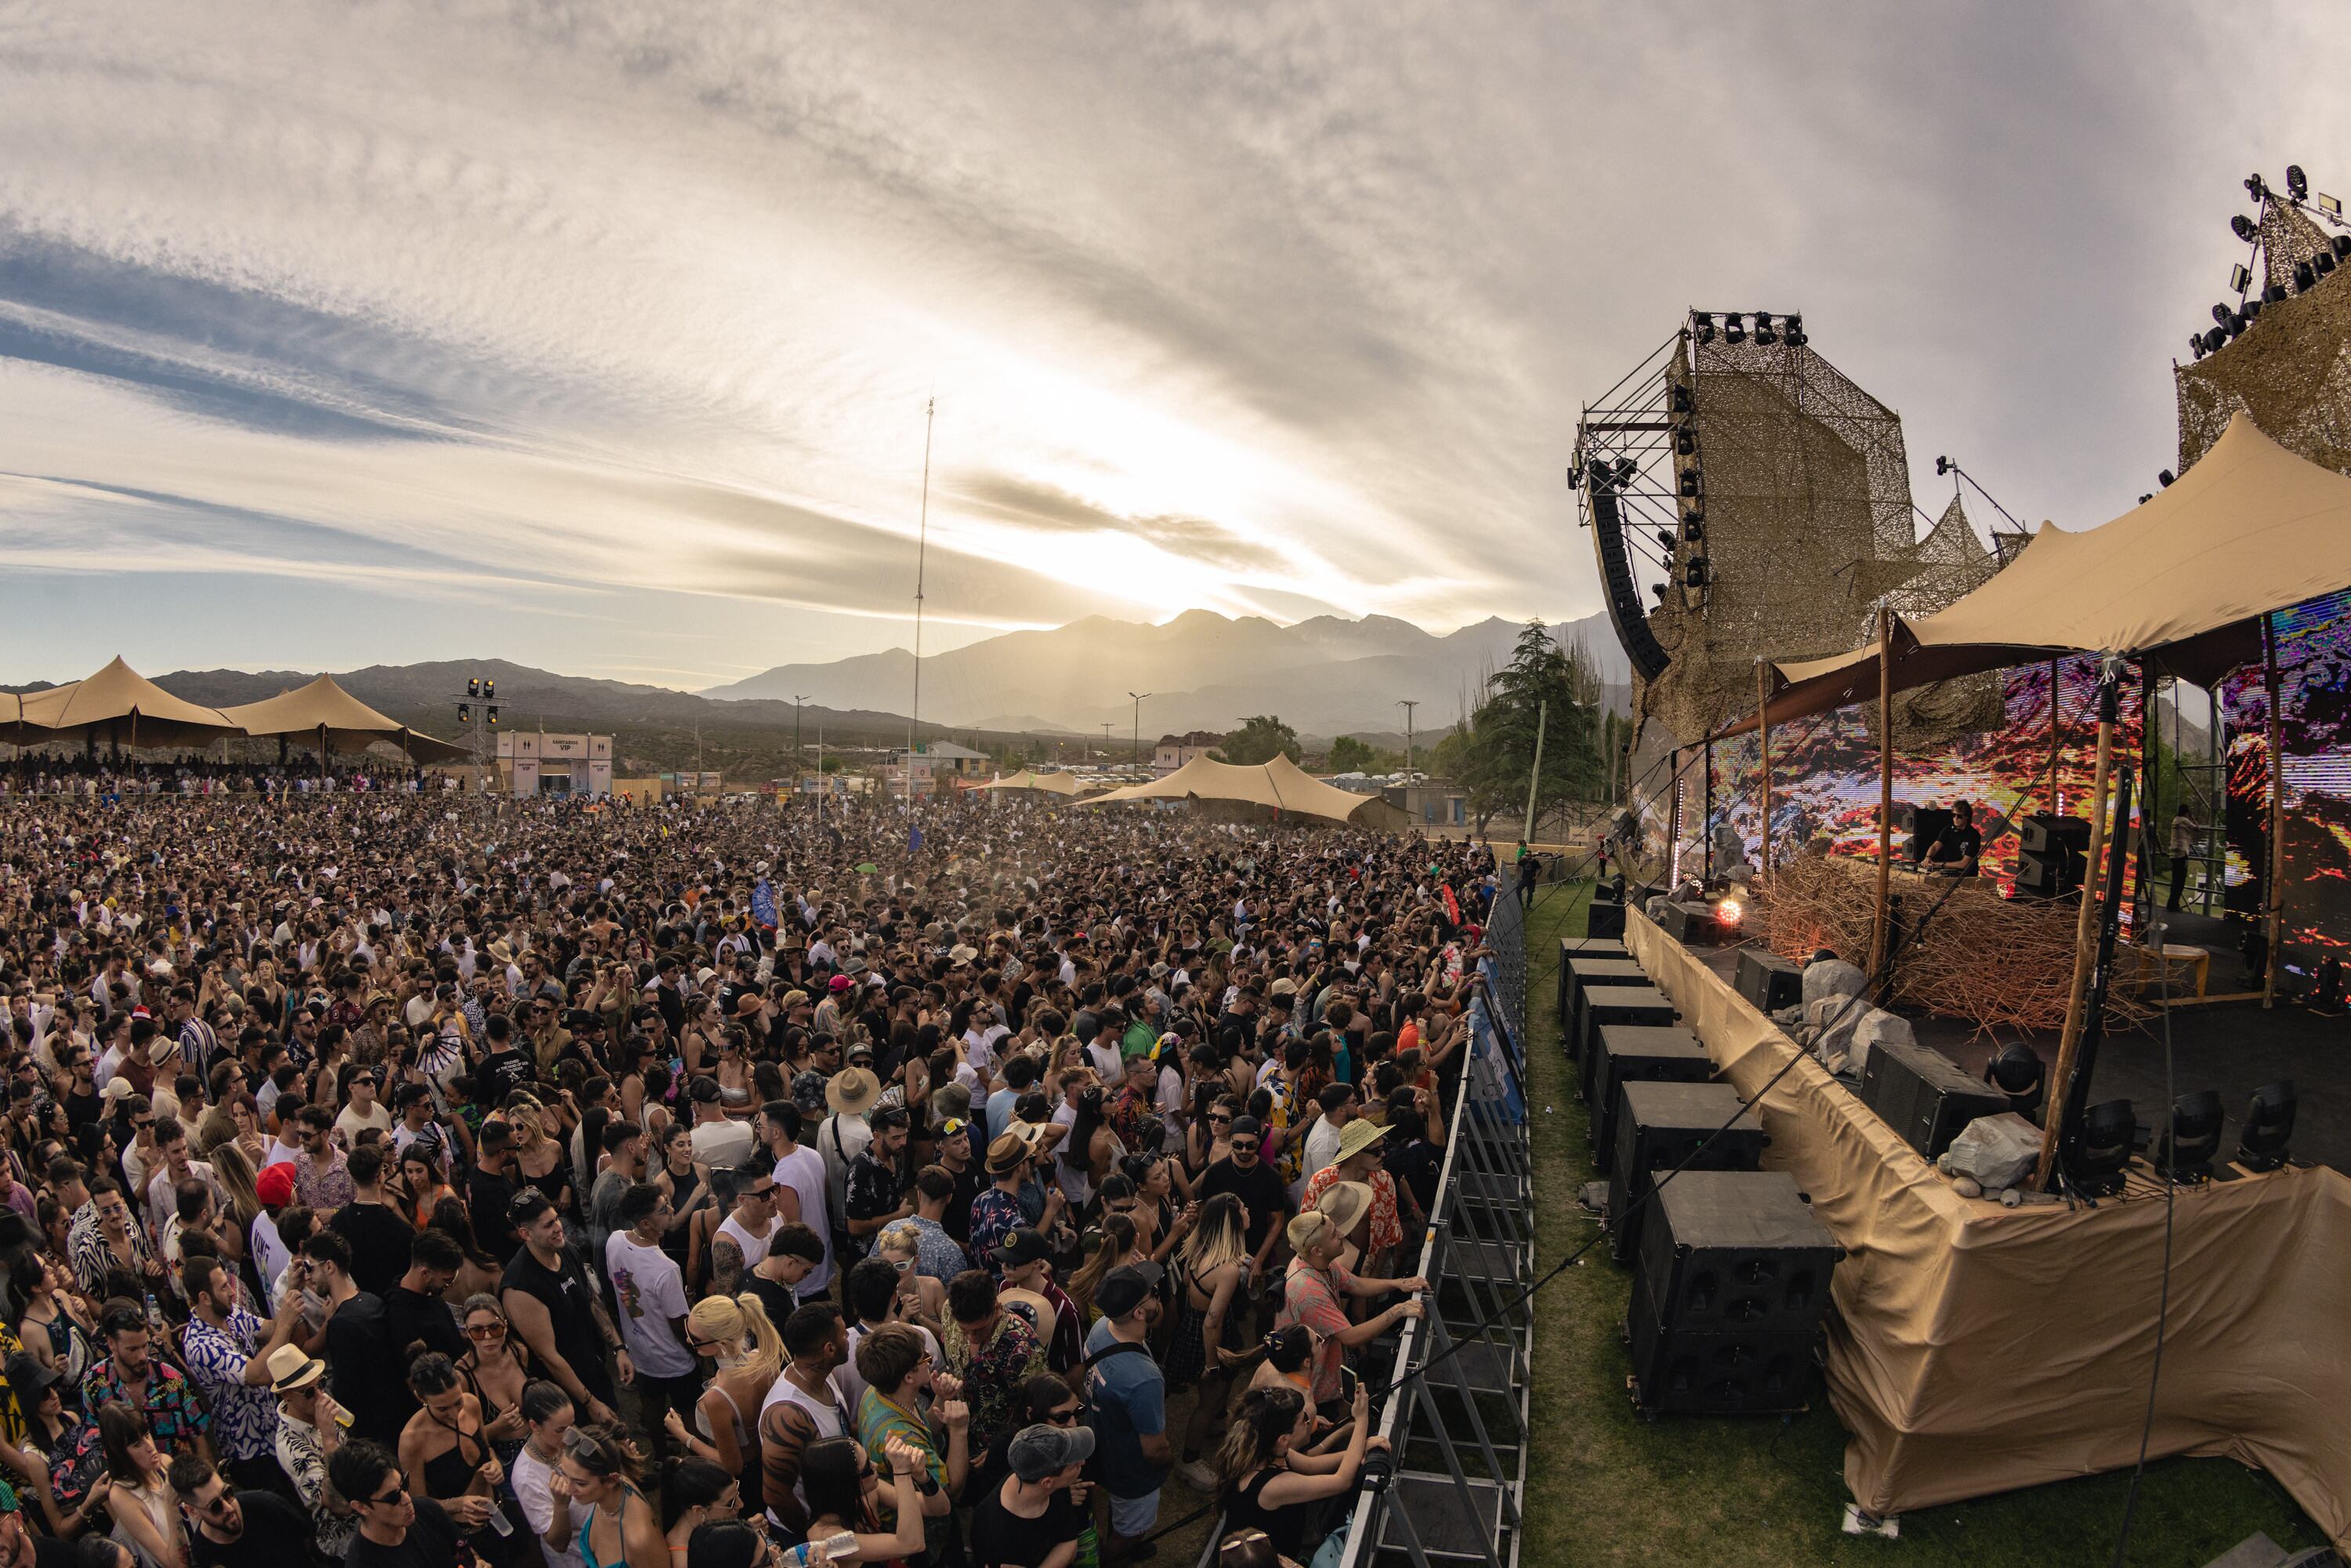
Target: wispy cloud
point(631, 310)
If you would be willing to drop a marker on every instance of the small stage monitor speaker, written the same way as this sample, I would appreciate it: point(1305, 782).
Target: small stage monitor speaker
point(2042, 832)
point(1690, 922)
point(1923, 1096)
point(1769, 981)
point(2052, 873)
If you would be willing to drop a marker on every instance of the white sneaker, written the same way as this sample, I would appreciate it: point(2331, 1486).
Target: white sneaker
point(1198, 1476)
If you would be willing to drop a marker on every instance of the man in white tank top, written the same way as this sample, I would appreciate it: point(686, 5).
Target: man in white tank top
point(743, 1235)
point(799, 1170)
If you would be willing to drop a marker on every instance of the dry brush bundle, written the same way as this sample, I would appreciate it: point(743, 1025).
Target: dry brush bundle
point(1971, 956)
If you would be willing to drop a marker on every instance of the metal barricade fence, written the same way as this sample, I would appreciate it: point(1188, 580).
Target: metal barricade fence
point(1455, 1410)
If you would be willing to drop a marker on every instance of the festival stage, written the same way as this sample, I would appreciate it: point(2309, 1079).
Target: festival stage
point(1977, 1349)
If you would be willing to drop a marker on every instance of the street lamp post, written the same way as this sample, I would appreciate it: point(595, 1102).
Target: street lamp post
point(1407, 704)
point(1138, 696)
point(797, 701)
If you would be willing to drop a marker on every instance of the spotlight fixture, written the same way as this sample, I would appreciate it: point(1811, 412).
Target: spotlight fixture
point(1764, 333)
point(2324, 261)
point(2193, 1139)
point(2215, 340)
point(2332, 207)
point(2274, 294)
point(1942, 467)
point(1729, 913)
point(2305, 278)
point(1666, 539)
point(2268, 1123)
point(2101, 1150)
point(1575, 474)
point(2341, 245)
point(489, 688)
point(2297, 183)
point(2239, 279)
point(2257, 188)
point(2244, 228)
point(2165, 478)
point(2222, 313)
point(2195, 343)
point(1685, 441)
point(2143, 500)
point(1734, 329)
point(1795, 332)
point(1694, 512)
point(465, 712)
point(1658, 589)
point(1706, 328)
point(1693, 531)
point(2238, 322)
point(1696, 573)
point(2250, 309)
point(2021, 1075)
point(1689, 481)
point(494, 719)
point(473, 687)
point(1625, 469)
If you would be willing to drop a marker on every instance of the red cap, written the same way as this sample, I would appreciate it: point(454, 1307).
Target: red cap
point(274, 1184)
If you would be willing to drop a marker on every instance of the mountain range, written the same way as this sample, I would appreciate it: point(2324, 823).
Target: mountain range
point(1202, 671)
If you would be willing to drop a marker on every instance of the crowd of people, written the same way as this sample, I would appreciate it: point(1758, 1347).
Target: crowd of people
point(532, 1185)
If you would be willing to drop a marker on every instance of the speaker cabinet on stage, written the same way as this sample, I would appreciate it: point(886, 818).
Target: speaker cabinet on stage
point(2040, 833)
point(1598, 1007)
point(1571, 949)
point(1689, 923)
point(1927, 823)
point(1662, 1126)
point(1605, 919)
point(1582, 974)
point(1924, 1098)
point(1633, 1053)
point(1770, 981)
point(1732, 1280)
point(2052, 873)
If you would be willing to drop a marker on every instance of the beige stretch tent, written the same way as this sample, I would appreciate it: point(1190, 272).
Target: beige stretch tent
point(1279, 784)
point(119, 707)
point(1045, 783)
point(325, 715)
point(2183, 579)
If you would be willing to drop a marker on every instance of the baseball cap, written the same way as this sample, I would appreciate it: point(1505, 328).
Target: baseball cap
point(1042, 1450)
point(1024, 1246)
point(1247, 1127)
point(274, 1184)
point(1124, 1288)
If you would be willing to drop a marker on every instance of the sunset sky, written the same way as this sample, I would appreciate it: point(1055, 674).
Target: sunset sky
point(598, 337)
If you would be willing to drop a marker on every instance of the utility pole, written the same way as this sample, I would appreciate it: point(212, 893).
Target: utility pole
point(1105, 740)
point(1138, 696)
point(797, 701)
point(921, 551)
point(1407, 704)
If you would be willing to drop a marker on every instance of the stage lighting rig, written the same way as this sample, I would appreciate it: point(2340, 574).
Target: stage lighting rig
point(1794, 332)
point(2268, 1123)
point(1689, 481)
point(1734, 329)
point(2241, 279)
point(2324, 261)
point(2165, 478)
point(2257, 188)
point(493, 716)
point(1685, 441)
point(2222, 314)
point(2101, 1150)
point(2021, 1075)
point(2244, 228)
point(1706, 328)
point(1681, 404)
point(2193, 1139)
point(465, 712)
point(1764, 333)
point(473, 687)
point(2297, 184)
point(2305, 278)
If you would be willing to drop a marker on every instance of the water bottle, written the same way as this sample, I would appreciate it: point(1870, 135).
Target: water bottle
point(499, 1519)
point(816, 1553)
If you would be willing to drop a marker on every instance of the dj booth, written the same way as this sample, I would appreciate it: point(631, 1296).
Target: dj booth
point(1974, 1348)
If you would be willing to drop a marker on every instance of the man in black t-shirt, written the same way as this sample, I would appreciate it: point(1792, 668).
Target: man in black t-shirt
point(1034, 1519)
point(248, 1528)
point(490, 1190)
point(379, 1235)
point(368, 1379)
point(397, 1528)
point(1258, 1184)
point(504, 1068)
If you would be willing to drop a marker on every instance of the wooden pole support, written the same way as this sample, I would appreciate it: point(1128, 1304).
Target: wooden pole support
point(1763, 733)
point(1877, 933)
point(2085, 939)
point(2273, 874)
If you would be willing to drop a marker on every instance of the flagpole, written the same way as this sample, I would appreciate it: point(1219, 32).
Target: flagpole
point(921, 551)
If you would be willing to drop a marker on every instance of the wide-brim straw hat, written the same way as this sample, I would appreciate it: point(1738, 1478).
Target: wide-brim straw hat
point(852, 1092)
point(1346, 1203)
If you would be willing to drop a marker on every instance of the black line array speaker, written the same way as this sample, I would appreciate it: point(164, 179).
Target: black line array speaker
point(1635, 1053)
point(1769, 981)
point(1569, 949)
point(2051, 873)
point(1664, 1125)
point(2042, 832)
point(1598, 1007)
point(1626, 611)
point(1732, 1280)
point(1927, 823)
point(1584, 973)
point(1922, 1095)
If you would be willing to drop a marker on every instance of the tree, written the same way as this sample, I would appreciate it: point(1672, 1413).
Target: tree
point(1493, 752)
point(1258, 740)
point(1348, 755)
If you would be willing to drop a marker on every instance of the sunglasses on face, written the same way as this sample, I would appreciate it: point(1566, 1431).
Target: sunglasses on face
point(487, 1331)
point(399, 1491)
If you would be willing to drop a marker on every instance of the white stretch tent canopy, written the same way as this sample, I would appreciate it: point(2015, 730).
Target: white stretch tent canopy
point(323, 709)
point(2184, 579)
point(1049, 783)
point(119, 705)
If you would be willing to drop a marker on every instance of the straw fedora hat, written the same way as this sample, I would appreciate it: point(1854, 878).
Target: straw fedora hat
point(290, 1369)
point(1346, 1203)
point(1355, 1137)
point(852, 1092)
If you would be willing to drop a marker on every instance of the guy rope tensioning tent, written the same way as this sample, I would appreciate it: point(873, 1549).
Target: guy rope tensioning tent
point(1279, 785)
point(324, 715)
